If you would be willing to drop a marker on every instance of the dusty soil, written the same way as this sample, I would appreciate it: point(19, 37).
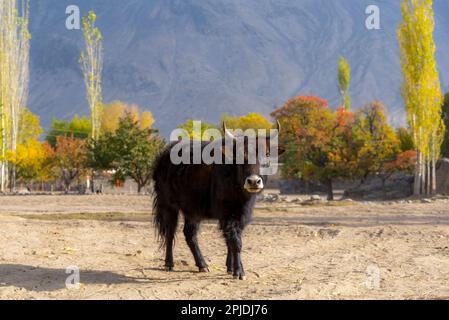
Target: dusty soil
point(343, 251)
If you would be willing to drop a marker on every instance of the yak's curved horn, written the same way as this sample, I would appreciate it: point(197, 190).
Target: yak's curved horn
point(228, 133)
point(278, 129)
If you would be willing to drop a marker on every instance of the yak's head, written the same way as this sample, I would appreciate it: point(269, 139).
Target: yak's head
point(252, 156)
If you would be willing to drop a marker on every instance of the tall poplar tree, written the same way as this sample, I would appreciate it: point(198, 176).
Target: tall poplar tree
point(421, 90)
point(92, 65)
point(344, 79)
point(14, 79)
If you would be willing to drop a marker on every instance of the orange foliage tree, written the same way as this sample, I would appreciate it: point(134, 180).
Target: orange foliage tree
point(319, 144)
point(67, 159)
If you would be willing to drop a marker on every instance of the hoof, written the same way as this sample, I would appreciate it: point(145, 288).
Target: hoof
point(230, 272)
point(240, 277)
point(206, 269)
point(168, 269)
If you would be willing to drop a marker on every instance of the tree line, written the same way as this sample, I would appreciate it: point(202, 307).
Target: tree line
point(320, 144)
point(68, 153)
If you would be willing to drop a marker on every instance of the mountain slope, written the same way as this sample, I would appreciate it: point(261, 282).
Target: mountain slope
point(200, 58)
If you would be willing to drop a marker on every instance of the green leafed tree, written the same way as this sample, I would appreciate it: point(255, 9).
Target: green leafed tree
point(405, 139)
point(189, 127)
point(130, 151)
point(78, 127)
point(29, 126)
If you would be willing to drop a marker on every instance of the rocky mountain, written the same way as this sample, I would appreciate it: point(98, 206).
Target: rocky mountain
point(201, 58)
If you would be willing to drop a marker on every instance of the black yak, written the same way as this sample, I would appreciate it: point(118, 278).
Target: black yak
point(223, 192)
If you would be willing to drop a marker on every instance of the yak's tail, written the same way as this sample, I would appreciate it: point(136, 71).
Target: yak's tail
point(158, 219)
point(165, 220)
point(165, 215)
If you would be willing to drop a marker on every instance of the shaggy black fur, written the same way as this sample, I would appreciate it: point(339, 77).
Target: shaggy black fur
point(203, 192)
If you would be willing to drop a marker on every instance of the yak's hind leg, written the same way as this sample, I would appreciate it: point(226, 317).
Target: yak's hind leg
point(191, 233)
point(229, 260)
point(166, 220)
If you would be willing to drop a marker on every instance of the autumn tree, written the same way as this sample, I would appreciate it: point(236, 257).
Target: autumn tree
point(29, 156)
point(346, 145)
point(421, 90)
point(445, 116)
point(380, 143)
point(92, 66)
point(130, 151)
point(68, 159)
point(196, 133)
point(29, 159)
point(14, 80)
point(112, 113)
point(29, 126)
point(250, 121)
point(315, 140)
point(344, 79)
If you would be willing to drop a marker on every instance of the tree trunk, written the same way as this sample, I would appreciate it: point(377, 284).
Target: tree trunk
point(434, 175)
point(428, 190)
point(423, 175)
point(330, 190)
point(417, 183)
point(13, 178)
point(139, 187)
point(92, 183)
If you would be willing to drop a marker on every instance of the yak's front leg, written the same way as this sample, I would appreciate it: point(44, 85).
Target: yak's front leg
point(191, 234)
point(233, 234)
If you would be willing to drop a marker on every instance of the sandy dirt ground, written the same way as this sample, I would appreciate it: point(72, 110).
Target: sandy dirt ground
point(291, 251)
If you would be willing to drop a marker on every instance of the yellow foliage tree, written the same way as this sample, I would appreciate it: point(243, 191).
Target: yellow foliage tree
point(30, 154)
point(29, 126)
point(344, 79)
point(14, 79)
point(250, 121)
point(28, 159)
point(117, 110)
point(421, 89)
point(92, 66)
